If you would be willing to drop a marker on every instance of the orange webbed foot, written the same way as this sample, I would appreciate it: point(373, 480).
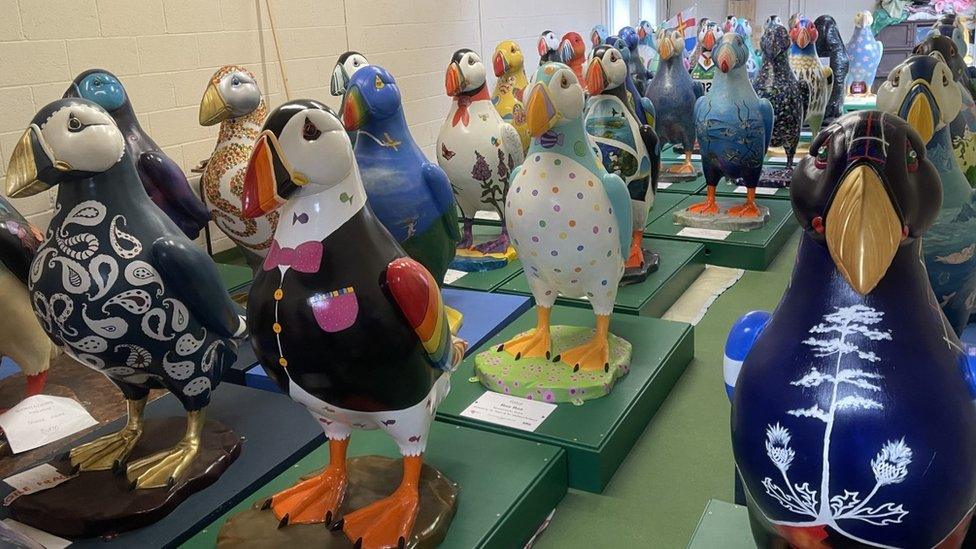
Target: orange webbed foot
point(592, 356)
point(681, 169)
point(313, 500)
point(708, 207)
point(636, 258)
point(535, 344)
point(747, 209)
point(384, 523)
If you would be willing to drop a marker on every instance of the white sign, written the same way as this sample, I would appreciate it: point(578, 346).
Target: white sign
point(490, 216)
point(711, 234)
point(40, 538)
point(663, 185)
point(509, 411)
point(35, 479)
point(453, 275)
point(42, 419)
point(759, 190)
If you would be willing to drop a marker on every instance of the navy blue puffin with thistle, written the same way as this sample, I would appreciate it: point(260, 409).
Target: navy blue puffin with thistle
point(837, 394)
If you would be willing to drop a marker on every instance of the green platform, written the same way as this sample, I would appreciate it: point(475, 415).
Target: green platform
point(487, 281)
point(724, 188)
point(663, 203)
point(681, 262)
point(742, 249)
point(723, 525)
point(682, 187)
point(859, 105)
point(507, 486)
point(599, 434)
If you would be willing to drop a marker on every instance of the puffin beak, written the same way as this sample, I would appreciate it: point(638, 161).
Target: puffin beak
point(354, 111)
point(453, 80)
point(499, 64)
point(596, 77)
point(920, 113)
point(802, 38)
point(595, 38)
point(31, 165)
point(709, 41)
point(543, 47)
point(666, 49)
point(641, 33)
point(337, 85)
point(565, 51)
point(540, 114)
point(726, 58)
point(269, 179)
point(213, 108)
point(862, 228)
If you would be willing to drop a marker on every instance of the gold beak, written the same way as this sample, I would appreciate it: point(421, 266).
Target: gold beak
point(863, 231)
point(666, 49)
point(22, 170)
point(213, 108)
point(920, 117)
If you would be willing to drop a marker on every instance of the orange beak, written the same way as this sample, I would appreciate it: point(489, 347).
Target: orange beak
point(499, 64)
point(802, 38)
point(540, 113)
point(269, 180)
point(666, 49)
point(453, 81)
point(726, 59)
point(641, 33)
point(709, 41)
point(596, 78)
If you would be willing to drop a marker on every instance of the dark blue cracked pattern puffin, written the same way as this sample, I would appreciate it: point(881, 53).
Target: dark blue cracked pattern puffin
point(777, 83)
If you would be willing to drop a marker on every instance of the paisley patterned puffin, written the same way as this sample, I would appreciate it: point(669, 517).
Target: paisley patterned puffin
point(865, 51)
point(807, 68)
point(830, 44)
point(342, 319)
point(921, 90)
point(119, 287)
point(508, 63)
point(162, 178)
point(853, 422)
point(234, 101)
point(777, 83)
point(673, 94)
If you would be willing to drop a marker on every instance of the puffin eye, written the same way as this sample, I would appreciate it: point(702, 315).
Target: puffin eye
point(945, 79)
point(895, 77)
point(309, 131)
point(74, 125)
point(564, 83)
point(513, 49)
point(822, 155)
point(355, 62)
point(379, 83)
point(471, 61)
point(911, 159)
point(97, 83)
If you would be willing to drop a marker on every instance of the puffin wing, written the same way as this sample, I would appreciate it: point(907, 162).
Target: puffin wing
point(649, 113)
point(739, 342)
point(766, 108)
point(619, 197)
point(652, 144)
point(190, 274)
point(512, 144)
point(440, 188)
point(416, 294)
point(168, 180)
point(19, 241)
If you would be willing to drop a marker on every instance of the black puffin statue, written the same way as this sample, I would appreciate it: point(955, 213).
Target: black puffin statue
point(162, 178)
point(343, 320)
point(830, 44)
point(119, 287)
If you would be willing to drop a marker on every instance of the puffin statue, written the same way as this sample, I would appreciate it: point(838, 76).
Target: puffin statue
point(640, 106)
point(342, 319)
point(234, 101)
point(696, 51)
point(703, 70)
point(572, 52)
point(673, 94)
point(865, 52)
point(476, 149)
point(830, 44)
point(743, 28)
point(598, 35)
point(852, 403)
point(21, 337)
point(628, 147)
point(569, 220)
point(548, 47)
point(119, 287)
point(777, 83)
point(635, 64)
point(807, 68)
point(647, 47)
point(409, 194)
point(346, 66)
point(162, 178)
point(952, 56)
point(508, 63)
point(922, 91)
point(734, 127)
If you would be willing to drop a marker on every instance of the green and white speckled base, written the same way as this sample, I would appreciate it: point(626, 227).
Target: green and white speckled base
point(541, 379)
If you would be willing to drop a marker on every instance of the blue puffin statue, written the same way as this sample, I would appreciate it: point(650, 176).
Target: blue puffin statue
point(598, 35)
point(162, 178)
point(409, 194)
point(865, 52)
point(640, 106)
point(853, 422)
point(119, 287)
point(734, 127)
point(638, 72)
point(922, 91)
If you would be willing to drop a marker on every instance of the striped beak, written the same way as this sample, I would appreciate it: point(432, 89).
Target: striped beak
point(213, 108)
point(596, 77)
point(453, 80)
point(269, 180)
point(726, 58)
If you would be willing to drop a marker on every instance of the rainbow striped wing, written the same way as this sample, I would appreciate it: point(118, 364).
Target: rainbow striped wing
point(418, 297)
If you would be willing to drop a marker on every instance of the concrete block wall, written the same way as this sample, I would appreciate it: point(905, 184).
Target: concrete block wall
point(164, 52)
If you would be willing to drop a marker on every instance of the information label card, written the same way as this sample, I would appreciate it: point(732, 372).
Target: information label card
point(759, 190)
point(509, 411)
point(711, 234)
point(42, 419)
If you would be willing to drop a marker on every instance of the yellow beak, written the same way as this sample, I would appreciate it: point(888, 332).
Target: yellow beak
point(22, 177)
point(920, 117)
point(213, 108)
point(666, 49)
point(863, 231)
point(540, 114)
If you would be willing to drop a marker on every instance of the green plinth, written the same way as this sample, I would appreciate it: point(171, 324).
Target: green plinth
point(753, 250)
point(726, 189)
point(507, 486)
point(486, 281)
point(856, 104)
point(683, 187)
point(598, 435)
point(681, 263)
point(723, 525)
point(236, 279)
point(663, 203)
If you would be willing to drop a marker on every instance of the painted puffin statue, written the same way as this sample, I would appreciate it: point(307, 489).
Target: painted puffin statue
point(640, 106)
point(673, 94)
point(408, 193)
point(734, 127)
point(508, 64)
point(852, 403)
point(635, 64)
point(548, 47)
point(346, 66)
point(777, 83)
point(647, 47)
point(342, 319)
point(119, 287)
point(807, 68)
point(703, 70)
point(830, 44)
point(162, 178)
point(598, 35)
point(572, 52)
point(743, 28)
point(628, 147)
point(234, 101)
point(865, 51)
point(696, 50)
point(569, 220)
point(921, 90)
point(476, 149)
point(21, 337)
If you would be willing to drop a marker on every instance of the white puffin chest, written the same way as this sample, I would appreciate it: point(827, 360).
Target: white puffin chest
point(471, 152)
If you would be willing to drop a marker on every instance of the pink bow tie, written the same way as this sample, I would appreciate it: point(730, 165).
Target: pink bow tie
point(305, 258)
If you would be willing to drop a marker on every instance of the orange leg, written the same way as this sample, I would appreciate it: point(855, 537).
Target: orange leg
point(708, 207)
point(316, 499)
point(386, 522)
point(747, 208)
point(35, 383)
point(594, 355)
point(636, 258)
point(685, 168)
point(535, 344)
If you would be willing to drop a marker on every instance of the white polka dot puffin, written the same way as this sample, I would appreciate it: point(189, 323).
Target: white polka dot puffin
point(568, 218)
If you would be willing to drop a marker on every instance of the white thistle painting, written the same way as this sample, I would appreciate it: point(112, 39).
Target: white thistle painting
point(838, 337)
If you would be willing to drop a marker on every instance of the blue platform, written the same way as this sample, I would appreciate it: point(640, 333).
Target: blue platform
point(8, 368)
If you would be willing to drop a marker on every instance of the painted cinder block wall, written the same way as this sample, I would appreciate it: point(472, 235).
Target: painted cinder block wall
point(164, 52)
